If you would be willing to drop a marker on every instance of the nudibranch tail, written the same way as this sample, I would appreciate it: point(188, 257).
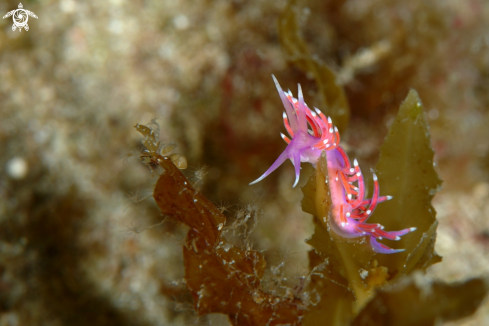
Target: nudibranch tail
point(382, 248)
point(350, 210)
point(310, 133)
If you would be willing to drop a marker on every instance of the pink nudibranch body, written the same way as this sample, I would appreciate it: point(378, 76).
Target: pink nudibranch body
point(350, 210)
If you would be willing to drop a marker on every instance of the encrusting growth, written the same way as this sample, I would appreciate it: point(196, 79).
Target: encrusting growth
point(311, 132)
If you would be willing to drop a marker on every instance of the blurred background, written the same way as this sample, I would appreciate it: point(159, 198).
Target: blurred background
point(80, 242)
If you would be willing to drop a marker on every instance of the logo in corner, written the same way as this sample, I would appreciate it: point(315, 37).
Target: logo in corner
point(20, 17)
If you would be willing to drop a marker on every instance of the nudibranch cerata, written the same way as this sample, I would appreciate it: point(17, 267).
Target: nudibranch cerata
point(311, 132)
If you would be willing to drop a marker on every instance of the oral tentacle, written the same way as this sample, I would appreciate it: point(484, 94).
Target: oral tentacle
point(275, 165)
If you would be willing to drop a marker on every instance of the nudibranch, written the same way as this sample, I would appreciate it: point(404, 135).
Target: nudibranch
point(311, 132)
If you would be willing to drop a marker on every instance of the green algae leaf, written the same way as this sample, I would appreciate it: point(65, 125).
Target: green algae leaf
point(308, 202)
point(349, 268)
point(417, 301)
point(423, 255)
point(332, 95)
point(348, 275)
point(405, 171)
point(330, 294)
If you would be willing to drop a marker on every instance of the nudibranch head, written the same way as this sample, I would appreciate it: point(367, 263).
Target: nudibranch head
point(311, 132)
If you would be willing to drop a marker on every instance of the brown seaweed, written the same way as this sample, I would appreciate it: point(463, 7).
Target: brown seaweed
point(221, 277)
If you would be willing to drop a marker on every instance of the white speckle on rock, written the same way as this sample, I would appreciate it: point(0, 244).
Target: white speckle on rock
point(181, 22)
point(17, 168)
